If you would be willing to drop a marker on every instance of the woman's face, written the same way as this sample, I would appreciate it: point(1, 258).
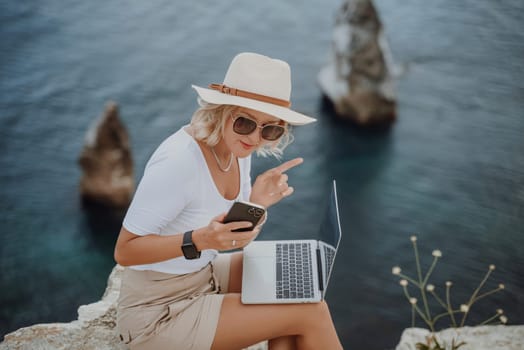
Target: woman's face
point(243, 145)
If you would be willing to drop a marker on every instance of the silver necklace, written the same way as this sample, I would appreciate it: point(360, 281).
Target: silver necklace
point(226, 169)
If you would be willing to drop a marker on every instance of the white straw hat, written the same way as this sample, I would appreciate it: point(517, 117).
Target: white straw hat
point(257, 82)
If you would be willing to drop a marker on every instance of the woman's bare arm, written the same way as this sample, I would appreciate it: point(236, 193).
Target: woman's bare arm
point(132, 249)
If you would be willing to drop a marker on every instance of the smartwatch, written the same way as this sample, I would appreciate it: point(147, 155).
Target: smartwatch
point(188, 247)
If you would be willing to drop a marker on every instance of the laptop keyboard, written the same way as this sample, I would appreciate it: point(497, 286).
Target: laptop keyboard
point(294, 271)
point(329, 253)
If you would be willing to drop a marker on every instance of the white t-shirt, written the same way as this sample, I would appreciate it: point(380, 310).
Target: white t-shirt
point(178, 194)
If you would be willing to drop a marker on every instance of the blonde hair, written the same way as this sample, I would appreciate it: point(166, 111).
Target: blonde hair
point(208, 124)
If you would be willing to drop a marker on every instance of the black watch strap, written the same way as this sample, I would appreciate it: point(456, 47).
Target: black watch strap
point(188, 238)
point(188, 247)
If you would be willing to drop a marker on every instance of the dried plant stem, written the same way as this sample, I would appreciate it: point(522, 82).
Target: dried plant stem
point(472, 299)
point(411, 280)
point(449, 307)
point(412, 317)
point(417, 309)
point(439, 300)
point(425, 301)
point(421, 309)
point(428, 321)
point(420, 281)
point(492, 318)
point(487, 293)
point(433, 264)
point(439, 316)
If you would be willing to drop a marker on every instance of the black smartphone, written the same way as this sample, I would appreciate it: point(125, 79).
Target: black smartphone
point(245, 211)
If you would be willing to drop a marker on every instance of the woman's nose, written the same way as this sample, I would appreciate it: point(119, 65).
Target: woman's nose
point(255, 136)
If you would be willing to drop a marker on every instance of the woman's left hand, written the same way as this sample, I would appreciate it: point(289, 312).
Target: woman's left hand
point(271, 186)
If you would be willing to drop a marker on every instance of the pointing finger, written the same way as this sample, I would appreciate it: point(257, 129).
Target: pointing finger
point(288, 165)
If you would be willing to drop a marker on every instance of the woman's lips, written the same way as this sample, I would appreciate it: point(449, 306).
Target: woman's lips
point(246, 146)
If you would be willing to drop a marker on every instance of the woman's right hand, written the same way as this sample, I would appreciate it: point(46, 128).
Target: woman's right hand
point(219, 236)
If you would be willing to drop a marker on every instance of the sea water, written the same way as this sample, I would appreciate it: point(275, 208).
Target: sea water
point(450, 170)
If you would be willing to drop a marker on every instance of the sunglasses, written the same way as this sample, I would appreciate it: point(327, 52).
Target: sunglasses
point(244, 126)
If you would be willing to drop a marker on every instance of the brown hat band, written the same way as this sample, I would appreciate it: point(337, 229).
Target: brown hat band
point(242, 93)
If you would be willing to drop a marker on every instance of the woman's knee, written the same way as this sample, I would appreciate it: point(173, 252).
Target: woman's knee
point(322, 310)
point(313, 313)
point(324, 314)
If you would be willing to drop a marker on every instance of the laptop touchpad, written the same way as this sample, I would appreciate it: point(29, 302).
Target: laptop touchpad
point(258, 277)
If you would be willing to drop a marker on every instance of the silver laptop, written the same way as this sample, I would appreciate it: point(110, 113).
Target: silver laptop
point(292, 271)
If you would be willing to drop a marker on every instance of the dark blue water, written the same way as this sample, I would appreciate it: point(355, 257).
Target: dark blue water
point(451, 170)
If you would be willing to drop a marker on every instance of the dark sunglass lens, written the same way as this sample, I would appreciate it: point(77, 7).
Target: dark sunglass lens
point(244, 126)
point(272, 132)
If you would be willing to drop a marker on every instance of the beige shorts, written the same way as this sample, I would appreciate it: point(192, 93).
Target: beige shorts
point(163, 311)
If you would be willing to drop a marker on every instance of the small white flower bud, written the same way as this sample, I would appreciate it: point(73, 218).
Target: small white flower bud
point(448, 284)
point(403, 283)
point(492, 267)
point(412, 301)
point(464, 308)
point(503, 319)
point(396, 270)
point(437, 253)
point(500, 311)
point(430, 288)
point(413, 239)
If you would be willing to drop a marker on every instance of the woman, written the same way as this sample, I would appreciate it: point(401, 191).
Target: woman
point(177, 291)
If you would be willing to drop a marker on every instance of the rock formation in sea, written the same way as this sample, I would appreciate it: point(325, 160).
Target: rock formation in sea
point(106, 162)
point(358, 80)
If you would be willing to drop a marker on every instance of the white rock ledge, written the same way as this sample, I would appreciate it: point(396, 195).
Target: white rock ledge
point(476, 338)
point(93, 330)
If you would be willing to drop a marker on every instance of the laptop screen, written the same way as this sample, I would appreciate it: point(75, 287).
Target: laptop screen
point(330, 231)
